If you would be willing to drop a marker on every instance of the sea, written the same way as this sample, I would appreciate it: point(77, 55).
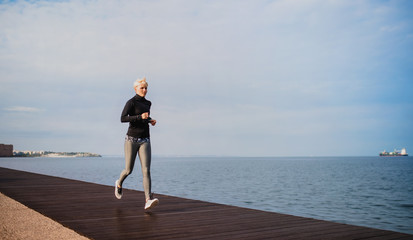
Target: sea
point(374, 192)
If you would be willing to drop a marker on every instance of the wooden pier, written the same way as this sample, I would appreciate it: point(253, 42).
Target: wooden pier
point(93, 211)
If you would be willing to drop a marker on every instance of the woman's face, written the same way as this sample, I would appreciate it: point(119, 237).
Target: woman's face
point(141, 90)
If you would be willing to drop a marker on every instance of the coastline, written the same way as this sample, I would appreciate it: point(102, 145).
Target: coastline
point(53, 154)
point(20, 222)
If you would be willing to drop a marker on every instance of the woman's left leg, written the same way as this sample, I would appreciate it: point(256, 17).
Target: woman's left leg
point(145, 158)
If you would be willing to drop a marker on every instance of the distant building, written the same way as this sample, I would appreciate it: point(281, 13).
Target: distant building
point(6, 150)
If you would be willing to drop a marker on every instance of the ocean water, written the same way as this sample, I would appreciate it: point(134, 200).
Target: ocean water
point(365, 191)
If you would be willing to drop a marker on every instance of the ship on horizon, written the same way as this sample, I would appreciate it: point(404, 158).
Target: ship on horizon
point(396, 153)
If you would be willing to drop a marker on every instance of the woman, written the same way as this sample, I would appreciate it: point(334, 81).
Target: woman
point(137, 112)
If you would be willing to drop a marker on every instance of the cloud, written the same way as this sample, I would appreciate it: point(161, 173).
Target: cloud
point(23, 109)
point(219, 71)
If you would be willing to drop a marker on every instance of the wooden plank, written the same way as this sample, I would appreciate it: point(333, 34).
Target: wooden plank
point(93, 211)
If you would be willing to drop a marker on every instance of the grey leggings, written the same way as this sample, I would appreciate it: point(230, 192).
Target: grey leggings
point(144, 151)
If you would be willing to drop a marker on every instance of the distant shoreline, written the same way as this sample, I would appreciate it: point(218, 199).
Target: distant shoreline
point(53, 154)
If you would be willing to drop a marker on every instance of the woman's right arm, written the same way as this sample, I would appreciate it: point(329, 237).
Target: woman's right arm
point(125, 117)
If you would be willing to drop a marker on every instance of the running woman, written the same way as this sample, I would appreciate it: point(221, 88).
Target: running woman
point(137, 142)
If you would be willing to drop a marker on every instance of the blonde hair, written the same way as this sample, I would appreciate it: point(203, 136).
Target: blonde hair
point(140, 81)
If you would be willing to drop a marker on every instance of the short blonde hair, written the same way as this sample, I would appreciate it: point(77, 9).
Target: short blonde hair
point(140, 81)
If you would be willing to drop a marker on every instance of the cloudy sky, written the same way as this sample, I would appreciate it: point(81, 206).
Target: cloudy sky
point(233, 78)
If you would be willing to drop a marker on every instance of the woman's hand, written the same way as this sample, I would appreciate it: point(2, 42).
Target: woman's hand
point(145, 115)
point(152, 121)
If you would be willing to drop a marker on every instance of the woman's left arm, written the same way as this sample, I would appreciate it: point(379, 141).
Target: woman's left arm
point(152, 121)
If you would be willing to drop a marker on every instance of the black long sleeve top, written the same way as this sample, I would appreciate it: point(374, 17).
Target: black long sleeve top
point(134, 107)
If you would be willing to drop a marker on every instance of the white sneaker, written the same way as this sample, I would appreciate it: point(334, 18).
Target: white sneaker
point(151, 203)
point(118, 191)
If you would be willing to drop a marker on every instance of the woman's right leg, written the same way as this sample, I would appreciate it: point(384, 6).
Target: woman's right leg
point(131, 150)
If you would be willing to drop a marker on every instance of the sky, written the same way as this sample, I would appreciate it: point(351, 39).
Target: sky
point(226, 78)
